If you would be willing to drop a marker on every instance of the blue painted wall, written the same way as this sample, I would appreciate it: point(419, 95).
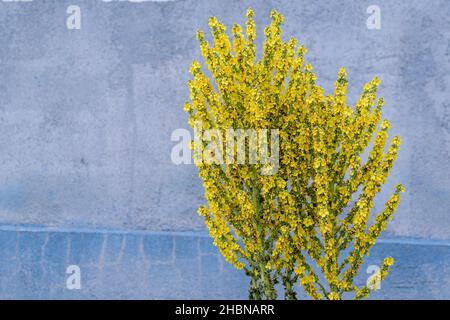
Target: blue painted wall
point(177, 265)
point(85, 123)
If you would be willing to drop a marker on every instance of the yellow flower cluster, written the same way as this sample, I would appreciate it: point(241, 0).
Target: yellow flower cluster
point(319, 202)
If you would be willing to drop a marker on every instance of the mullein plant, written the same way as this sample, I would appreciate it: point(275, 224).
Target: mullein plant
point(308, 223)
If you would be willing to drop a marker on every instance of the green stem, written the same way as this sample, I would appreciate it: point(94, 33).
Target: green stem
point(267, 282)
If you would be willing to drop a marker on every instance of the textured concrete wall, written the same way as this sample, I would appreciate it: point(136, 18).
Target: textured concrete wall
point(86, 117)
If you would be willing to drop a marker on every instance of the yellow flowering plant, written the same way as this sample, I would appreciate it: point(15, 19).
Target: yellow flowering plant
point(308, 222)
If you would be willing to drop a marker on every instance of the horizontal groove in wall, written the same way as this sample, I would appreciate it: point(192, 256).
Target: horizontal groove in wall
point(193, 233)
